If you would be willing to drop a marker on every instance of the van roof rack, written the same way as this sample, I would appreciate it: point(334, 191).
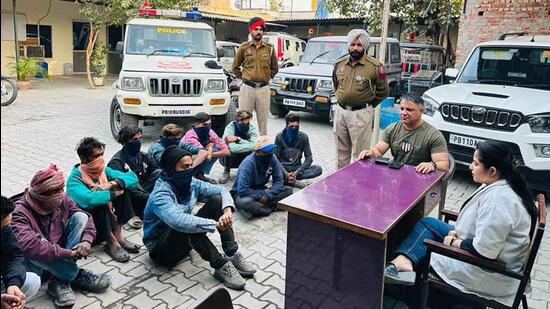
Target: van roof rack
point(504, 36)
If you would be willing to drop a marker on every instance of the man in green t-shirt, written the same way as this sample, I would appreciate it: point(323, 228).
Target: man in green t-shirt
point(411, 140)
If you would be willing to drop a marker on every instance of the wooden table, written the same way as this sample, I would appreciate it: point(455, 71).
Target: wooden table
point(341, 229)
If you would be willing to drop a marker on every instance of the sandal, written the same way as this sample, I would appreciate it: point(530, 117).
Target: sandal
point(135, 223)
point(119, 254)
point(130, 247)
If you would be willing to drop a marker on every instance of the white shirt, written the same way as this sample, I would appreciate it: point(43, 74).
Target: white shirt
point(499, 225)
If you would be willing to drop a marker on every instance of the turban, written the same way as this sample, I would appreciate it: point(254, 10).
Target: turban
point(255, 22)
point(45, 192)
point(360, 34)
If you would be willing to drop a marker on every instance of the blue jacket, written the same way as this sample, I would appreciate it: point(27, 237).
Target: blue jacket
point(251, 180)
point(156, 149)
point(163, 211)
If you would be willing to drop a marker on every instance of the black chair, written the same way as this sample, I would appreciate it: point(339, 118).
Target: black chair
point(215, 299)
point(444, 182)
point(430, 281)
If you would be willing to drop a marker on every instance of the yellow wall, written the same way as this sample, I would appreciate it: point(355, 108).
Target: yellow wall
point(61, 16)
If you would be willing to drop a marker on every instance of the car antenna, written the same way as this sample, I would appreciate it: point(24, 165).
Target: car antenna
point(533, 39)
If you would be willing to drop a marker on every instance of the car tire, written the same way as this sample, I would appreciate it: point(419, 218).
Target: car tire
point(278, 110)
point(119, 119)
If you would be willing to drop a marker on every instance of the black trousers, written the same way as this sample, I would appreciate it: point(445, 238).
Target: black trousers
point(105, 222)
point(140, 195)
point(234, 160)
point(174, 246)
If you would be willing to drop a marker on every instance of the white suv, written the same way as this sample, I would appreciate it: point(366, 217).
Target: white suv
point(501, 93)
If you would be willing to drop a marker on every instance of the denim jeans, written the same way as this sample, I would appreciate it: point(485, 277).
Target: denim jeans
point(206, 166)
point(64, 269)
point(256, 208)
point(427, 228)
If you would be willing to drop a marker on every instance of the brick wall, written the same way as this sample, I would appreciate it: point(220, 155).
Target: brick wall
point(485, 20)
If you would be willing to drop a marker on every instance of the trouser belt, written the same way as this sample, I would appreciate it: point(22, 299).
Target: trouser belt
point(254, 84)
point(353, 107)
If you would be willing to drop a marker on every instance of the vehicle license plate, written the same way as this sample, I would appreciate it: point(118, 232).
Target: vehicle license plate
point(464, 140)
point(298, 103)
point(175, 112)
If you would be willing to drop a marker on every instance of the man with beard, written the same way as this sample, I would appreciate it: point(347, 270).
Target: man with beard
point(411, 140)
point(54, 233)
point(252, 196)
point(360, 84)
point(203, 137)
point(241, 136)
point(131, 158)
point(101, 191)
point(259, 64)
point(171, 229)
point(292, 144)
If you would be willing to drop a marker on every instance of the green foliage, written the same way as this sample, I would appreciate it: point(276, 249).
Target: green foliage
point(432, 13)
point(28, 67)
point(97, 60)
point(275, 5)
point(184, 5)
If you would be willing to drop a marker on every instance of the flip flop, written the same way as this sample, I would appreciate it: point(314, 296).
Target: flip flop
point(393, 276)
point(135, 223)
point(130, 247)
point(119, 254)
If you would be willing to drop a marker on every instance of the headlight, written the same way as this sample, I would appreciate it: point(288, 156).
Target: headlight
point(215, 85)
point(542, 150)
point(430, 106)
point(132, 84)
point(539, 123)
point(325, 84)
point(277, 80)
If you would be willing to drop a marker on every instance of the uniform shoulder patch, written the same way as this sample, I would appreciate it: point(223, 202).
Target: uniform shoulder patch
point(373, 60)
point(342, 58)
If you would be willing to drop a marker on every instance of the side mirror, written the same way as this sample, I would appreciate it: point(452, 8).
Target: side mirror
point(451, 73)
point(221, 52)
point(119, 47)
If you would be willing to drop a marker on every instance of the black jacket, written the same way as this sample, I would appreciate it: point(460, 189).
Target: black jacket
point(13, 261)
point(146, 169)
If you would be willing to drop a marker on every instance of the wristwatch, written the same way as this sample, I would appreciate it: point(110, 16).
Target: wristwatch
point(238, 139)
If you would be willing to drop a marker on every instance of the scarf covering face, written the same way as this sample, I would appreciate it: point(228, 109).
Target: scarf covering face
point(48, 180)
point(241, 130)
point(94, 170)
point(289, 135)
point(203, 133)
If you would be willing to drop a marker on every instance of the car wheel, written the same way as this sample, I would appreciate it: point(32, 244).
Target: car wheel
point(278, 110)
point(119, 119)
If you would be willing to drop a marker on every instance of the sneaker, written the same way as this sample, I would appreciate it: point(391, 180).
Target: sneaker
point(89, 281)
point(61, 292)
point(225, 177)
point(393, 276)
point(229, 275)
point(300, 184)
point(244, 268)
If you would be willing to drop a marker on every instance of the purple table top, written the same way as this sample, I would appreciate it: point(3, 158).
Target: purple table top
point(364, 197)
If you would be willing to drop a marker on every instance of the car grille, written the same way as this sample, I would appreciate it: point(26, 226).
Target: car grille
point(479, 116)
point(300, 84)
point(175, 87)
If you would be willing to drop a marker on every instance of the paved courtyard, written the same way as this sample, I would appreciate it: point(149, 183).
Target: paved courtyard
point(44, 125)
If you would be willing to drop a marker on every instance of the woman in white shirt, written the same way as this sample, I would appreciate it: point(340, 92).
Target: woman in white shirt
point(496, 223)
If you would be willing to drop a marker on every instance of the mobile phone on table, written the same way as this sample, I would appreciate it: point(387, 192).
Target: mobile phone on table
point(382, 160)
point(396, 164)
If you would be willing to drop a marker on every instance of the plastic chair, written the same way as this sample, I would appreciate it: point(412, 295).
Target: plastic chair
point(434, 282)
point(216, 299)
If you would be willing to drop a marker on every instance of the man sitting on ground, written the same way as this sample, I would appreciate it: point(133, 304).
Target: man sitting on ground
point(54, 232)
point(202, 136)
point(241, 136)
point(412, 140)
point(171, 230)
point(131, 158)
point(252, 196)
point(101, 191)
point(291, 145)
point(172, 135)
point(17, 284)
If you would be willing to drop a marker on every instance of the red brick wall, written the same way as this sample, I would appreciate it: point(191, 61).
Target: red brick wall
point(486, 20)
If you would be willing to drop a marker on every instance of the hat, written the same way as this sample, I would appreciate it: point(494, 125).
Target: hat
point(263, 144)
point(171, 155)
point(255, 22)
point(360, 34)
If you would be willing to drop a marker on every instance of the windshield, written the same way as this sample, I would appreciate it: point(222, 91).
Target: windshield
point(516, 66)
point(170, 41)
point(334, 50)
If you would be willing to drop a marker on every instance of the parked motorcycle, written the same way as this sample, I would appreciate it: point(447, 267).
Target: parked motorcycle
point(234, 85)
point(9, 91)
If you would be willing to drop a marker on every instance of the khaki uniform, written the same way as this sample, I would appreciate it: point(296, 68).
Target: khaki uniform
point(259, 65)
point(359, 88)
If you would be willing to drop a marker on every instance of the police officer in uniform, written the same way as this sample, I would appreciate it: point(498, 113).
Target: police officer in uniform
point(259, 64)
point(360, 84)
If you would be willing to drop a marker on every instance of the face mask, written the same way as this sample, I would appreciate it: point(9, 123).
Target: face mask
point(203, 134)
point(290, 134)
point(132, 148)
point(241, 129)
point(356, 55)
point(182, 181)
point(265, 159)
point(165, 141)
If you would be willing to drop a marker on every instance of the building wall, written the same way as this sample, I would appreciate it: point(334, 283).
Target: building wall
point(61, 16)
point(486, 20)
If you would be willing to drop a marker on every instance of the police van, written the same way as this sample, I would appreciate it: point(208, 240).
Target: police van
point(308, 86)
point(169, 70)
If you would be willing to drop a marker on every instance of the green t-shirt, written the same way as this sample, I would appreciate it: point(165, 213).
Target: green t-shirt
point(414, 146)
